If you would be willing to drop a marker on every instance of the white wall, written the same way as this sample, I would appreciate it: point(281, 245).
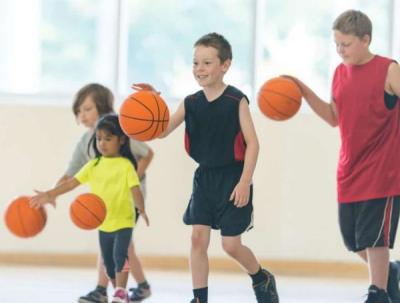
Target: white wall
point(295, 197)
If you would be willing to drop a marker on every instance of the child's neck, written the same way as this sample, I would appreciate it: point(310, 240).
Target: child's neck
point(111, 156)
point(213, 92)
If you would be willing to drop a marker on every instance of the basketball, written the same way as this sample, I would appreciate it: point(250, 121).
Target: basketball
point(23, 220)
point(88, 211)
point(279, 98)
point(144, 115)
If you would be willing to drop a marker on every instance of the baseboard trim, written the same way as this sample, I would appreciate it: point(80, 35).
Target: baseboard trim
point(280, 267)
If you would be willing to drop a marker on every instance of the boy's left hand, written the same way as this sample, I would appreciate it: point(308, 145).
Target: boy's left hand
point(240, 194)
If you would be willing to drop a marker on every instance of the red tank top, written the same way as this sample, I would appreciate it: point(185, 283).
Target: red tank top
point(369, 161)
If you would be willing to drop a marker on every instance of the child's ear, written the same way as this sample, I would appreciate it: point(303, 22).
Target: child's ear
point(226, 65)
point(122, 140)
point(366, 39)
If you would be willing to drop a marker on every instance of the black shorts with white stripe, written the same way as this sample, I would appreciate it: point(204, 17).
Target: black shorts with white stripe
point(370, 223)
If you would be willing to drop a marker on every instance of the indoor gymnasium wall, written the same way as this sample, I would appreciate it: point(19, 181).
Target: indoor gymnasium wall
point(294, 198)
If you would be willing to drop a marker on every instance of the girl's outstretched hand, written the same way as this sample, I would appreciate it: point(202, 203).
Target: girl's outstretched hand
point(144, 86)
point(40, 199)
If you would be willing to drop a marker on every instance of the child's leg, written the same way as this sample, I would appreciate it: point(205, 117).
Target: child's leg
point(263, 281)
point(136, 267)
point(377, 259)
point(378, 264)
point(120, 254)
point(242, 254)
point(102, 279)
point(106, 245)
point(142, 291)
point(198, 255)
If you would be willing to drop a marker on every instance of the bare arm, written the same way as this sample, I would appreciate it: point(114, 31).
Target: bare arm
point(139, 202)
point(50, 195)
point(144, 162)
point(175, 120)
point(327, 111)
point(63, 179)
point(241, 192)
point(392, 84)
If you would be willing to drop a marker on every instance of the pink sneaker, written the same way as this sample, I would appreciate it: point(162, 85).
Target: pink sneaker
point(120, 296)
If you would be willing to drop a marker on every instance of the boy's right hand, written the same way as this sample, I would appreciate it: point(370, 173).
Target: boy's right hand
point(144, 86)
point(295, 80)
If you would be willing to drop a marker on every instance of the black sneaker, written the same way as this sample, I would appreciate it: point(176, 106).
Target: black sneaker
point(266, 290)
point(393, 282)
point(139, 294)
point(377, 295)
point(95, 296)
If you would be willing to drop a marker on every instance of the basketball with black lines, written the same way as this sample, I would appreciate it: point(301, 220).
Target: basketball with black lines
point(144, 115)
point(279, 98)
point(23, 220)
point(88, 211)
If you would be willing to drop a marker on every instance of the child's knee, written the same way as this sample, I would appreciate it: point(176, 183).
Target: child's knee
point(199, 241)
point(230, 247)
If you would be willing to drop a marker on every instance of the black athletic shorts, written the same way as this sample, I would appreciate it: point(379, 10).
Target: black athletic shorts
point(370, 223)
point(209, 204)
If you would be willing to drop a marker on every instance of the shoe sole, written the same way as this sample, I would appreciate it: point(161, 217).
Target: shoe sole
point(87, 301)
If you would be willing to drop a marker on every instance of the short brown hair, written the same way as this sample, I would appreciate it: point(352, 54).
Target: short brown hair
point(101, 95)
point(353, 22)
point(218, 42)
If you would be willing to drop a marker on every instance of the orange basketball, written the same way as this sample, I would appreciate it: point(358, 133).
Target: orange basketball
point(88, 211)
point(23, 220)
point(144, 115)
point(279, 98)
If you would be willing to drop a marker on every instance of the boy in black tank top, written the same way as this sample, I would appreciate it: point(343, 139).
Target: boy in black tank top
point(221, 138)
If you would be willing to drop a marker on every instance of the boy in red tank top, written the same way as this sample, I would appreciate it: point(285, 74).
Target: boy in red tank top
point(365, 106)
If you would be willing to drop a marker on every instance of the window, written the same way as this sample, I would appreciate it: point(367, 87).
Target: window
point(161, 37)
point(53, 47)
point(296, 38)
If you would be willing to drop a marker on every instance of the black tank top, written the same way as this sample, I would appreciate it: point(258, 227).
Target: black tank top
point(213, 137)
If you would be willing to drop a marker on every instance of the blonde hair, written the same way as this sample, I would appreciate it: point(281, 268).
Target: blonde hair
point(353, 22)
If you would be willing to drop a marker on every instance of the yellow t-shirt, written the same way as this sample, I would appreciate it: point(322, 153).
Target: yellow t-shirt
point(112, 180)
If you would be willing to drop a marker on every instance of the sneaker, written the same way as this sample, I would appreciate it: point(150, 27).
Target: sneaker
point(120, 296)
point(195, 300)
point(266, 290)
point(95, 296)
point(393, 282)
point(376, 295)
point(139, 294)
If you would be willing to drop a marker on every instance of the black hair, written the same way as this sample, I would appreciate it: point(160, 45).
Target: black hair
point(110, 124)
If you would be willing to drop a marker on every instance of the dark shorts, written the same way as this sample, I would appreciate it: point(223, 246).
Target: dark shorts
point(371, 223)
point(209, 204)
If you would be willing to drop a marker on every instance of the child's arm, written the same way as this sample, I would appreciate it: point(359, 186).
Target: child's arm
point(241, 193)
point(144, 162)
point(50, 195)
point(393, 79)
point(175, 120)
point(139, 202)
point(327, 111)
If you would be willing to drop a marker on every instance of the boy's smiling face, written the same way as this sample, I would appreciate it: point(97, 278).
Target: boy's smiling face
point(207, 67)
point(352, 49)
